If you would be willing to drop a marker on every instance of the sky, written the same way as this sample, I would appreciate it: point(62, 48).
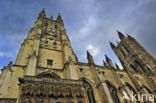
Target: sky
point(90, 25)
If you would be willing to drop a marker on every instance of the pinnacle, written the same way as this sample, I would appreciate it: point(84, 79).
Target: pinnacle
point(121, 35)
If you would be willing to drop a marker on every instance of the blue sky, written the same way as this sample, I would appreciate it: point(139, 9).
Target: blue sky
point(90, 24)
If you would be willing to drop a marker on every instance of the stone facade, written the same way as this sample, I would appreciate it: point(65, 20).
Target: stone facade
point(47, 70)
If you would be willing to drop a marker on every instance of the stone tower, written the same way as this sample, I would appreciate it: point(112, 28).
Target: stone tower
point(47, 46)
point(133, 56)
point(47, 70)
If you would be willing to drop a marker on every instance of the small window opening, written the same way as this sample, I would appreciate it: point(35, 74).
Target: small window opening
point(81, 69)
point(55, 26)
point(46, 42)
point(126, 49)
point(55, 43)
point(51, 38)
point(49, 62)
point(46, 24)
point(55, 35)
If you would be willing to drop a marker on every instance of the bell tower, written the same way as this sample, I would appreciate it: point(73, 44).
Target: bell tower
point(47, 46)
point(133, 56)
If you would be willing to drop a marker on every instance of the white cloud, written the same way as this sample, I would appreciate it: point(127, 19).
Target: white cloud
point(7, 54)
point(2, 53)
point(88, 26)
point(94, 51)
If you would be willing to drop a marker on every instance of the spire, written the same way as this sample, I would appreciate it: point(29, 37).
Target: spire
point(117, 67)
point(90, 58)
point(104, 63)
point(51, 18)
point(59, 18)
point(112, 45)
point(109, 62)
point(107, 58)
point(42, 14)
point(121, 36)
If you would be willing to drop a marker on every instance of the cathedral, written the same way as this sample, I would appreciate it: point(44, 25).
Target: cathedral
point(47, 70)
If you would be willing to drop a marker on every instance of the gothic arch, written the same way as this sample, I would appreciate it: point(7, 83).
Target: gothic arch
point(85, 79)
point(130, 87)
point(132, 90)
point(147, 89)
point(133, 67)
point(48, 75)
point(88, 90)
point(113, 92)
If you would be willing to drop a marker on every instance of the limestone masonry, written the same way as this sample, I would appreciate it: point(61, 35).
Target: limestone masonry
point(47, 70)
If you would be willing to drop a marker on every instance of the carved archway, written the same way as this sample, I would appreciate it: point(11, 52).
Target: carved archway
point(88, 90)
point(48, 75)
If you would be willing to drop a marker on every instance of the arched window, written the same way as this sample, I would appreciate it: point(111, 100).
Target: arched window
point(122, 52)
point(132, 90)
point(89, 91)
point(126, 48)
point(113, 93)
point(134, 68)
point(141, 66)
point(148, 90)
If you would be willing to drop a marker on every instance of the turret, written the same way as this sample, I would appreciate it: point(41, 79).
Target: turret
point(90, 58)
point(59, 19)
point(42, 14)
point(8, 67)
point(121, 36)
point(109, 62)
point(112, 45)
point(117, 67)
point(104, 63)
point(51, 18)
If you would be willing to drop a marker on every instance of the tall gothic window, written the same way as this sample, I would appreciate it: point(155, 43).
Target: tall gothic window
point(148, 90)
point(141, 66)
point(89, 91)
point(134, 68)
point(126, 48)
point(132, 90)
point(122, 52)
point(113, 93)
